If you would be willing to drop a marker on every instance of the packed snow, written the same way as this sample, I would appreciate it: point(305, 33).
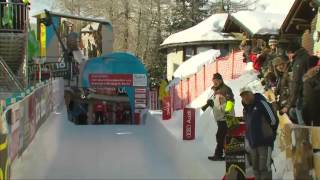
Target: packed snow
point(195, 63)
point(207, 30)
point(274, 6)
point(260, 22)
point(155, 150)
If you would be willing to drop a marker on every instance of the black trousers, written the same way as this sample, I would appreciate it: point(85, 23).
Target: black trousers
point(99, 115)
point(220, 137)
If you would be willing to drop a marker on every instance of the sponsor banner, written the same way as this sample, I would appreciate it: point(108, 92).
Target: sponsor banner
point(153, 97)
point(166, 108)
point(24, 126)
point(140, 98)
point(140, 103)
point(101, 80)
point(140, 80)
point(38, 109)
point(13, 116)
point(140, 91)
point(32, 116)
point(188, 124)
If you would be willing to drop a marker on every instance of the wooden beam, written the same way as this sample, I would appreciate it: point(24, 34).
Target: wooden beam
point(303, 27)
point(294, 15)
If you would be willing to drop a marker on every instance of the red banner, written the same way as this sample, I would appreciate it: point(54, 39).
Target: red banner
point(166, 108)
point(188, 124)
point(97, 80)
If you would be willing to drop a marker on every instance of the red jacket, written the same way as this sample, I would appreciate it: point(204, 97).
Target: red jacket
point(99, 107)
point(256, 64)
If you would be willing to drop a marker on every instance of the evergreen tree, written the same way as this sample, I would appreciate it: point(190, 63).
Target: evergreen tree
point(187, 13)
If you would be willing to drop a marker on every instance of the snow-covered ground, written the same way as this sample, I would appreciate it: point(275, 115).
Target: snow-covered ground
point(62, 150)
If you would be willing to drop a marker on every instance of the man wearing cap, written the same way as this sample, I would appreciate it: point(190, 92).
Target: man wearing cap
point(261, 127)
point(222, 103)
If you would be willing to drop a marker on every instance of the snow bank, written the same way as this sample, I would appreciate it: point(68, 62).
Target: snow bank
point(207, 30)
point(195, 63)
point(260, 22)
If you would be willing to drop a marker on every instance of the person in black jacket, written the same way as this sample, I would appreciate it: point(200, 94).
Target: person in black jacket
point(311, 93)
point(261, 126)
point(299, 68)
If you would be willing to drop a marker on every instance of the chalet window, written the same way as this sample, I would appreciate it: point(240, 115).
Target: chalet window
point(203, 49)
point(188, 52)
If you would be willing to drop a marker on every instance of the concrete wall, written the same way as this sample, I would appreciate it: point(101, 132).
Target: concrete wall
point(174, 59)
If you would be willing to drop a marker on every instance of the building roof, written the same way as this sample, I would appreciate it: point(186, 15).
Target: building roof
point(299, 17)
point(254, 23)
point(208, 30)
point(42, 14)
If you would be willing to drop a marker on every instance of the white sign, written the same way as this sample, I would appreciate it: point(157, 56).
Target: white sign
point(140, 80)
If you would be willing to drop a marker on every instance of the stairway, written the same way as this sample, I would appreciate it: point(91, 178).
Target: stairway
point(9, 83)
point(12, 50)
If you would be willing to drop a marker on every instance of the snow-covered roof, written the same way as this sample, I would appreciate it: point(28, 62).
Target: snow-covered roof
point(207, 30)
point(258, 23)
point(91, 27)
point(274, 6)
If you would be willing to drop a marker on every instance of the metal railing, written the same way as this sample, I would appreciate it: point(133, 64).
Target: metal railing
point(10, 74)
point(13, 17)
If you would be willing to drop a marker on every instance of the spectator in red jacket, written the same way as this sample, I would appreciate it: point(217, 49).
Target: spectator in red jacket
point(98, 109)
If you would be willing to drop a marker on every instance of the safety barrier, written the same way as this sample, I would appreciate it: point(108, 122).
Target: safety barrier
point(183, 93)
point(22, 116)
point(301, 147)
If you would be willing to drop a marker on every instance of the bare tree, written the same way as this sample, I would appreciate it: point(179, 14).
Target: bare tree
point(231, 6)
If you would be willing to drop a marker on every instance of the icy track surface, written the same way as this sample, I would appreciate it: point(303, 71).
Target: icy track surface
point(62, 150)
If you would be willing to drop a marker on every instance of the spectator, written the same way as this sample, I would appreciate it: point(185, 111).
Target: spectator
point(254, 57)
point(273, 44)
point(98, 109)
point(2, 6)
point(299, 68)
point(282, 82)
point(162, 90)
point(222, 104)
point(311, 93)
point(246, 47)
point(262, 124)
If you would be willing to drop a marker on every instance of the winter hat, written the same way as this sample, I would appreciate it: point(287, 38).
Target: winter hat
point(273, 40)
point(245, 89)
point(293, 46)
point(277, 61)
point(217, 76)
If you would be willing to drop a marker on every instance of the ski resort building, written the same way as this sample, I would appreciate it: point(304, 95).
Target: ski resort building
point(206, 35)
